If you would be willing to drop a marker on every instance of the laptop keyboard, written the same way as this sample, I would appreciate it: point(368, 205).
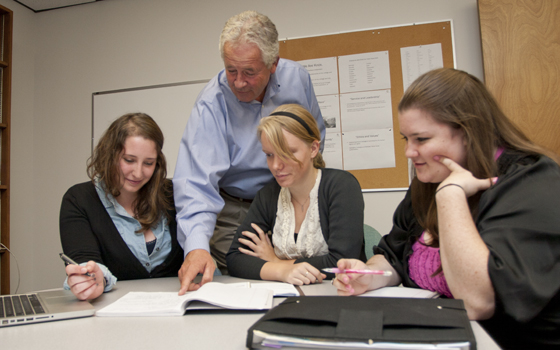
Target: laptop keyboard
point(20, 305)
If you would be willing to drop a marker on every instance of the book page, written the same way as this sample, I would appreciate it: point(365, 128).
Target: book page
point(278, 288)
point(231, 297)
point(146, 304)
point(170, 304)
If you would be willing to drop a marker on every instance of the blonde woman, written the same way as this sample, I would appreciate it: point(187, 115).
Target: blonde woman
point(315, 215)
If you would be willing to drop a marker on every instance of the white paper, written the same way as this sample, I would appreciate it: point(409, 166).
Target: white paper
point(171, 304)
point(278, 341)
point(332, 152)
point(324, 75)
point(417, 60)
point(401, 292)
point(279, 289)
point(366, 110)
point(368, 149)
point(365, 71)
point(330, 109)
point(145, 304)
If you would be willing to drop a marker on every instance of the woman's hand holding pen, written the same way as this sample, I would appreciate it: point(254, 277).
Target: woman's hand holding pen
point(83, 286)
point(358, 283)
point(354, 283)
point(259, 244)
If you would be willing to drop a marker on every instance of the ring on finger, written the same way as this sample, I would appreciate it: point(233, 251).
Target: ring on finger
point(306, 273)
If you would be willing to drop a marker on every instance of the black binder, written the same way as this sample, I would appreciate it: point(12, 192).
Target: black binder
point(368, 320)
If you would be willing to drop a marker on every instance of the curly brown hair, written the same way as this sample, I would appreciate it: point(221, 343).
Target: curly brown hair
point(153, 198)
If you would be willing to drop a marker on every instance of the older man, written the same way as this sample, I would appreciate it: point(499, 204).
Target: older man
point(221, 166)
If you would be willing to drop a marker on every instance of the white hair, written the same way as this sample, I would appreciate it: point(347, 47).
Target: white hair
point(252, 27)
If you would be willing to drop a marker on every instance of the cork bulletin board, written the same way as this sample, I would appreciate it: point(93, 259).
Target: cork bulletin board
point(390, 39)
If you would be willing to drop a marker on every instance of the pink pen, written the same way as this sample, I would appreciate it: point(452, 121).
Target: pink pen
point(365, 272)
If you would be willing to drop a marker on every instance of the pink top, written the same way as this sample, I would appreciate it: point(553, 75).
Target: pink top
point(499, 152)
point(422, 264)
point(425, 260)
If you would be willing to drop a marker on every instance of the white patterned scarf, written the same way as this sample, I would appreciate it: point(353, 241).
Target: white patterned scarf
point(310, 240)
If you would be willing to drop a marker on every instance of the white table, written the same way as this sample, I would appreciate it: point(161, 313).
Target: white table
point(200, 330)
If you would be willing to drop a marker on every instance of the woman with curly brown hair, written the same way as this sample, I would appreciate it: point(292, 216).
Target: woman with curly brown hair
point(121, 224)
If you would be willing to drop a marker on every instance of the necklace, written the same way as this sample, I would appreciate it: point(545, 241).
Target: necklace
point(294, 198)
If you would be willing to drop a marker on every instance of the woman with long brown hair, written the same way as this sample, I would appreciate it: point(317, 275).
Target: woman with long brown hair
point(480, 220)
point(121, 224)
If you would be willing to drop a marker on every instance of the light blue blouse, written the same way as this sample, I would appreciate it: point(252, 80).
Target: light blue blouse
point(127, 227)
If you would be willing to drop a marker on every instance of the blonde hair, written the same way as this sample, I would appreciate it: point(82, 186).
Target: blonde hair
point(273, 125)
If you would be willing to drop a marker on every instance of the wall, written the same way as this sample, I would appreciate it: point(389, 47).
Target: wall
point(61, 57)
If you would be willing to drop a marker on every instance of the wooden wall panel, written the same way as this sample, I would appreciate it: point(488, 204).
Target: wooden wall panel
point(521, 53)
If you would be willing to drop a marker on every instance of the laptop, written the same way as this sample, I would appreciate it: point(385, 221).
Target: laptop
point(52, 305)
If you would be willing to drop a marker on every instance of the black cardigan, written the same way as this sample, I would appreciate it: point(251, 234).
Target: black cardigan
point(88, 233)
point(341, 215)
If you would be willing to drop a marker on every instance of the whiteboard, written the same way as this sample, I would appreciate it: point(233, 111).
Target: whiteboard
point(169, 105)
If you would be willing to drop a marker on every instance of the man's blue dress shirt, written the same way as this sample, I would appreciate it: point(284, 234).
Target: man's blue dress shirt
point(220, 149)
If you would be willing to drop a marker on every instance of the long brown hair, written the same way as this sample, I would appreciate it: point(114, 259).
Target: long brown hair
point(273, 125)
point(152, 200)
point(460, 100)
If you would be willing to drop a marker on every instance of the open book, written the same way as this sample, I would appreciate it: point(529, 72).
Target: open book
point(279, 289)
point(212, 295)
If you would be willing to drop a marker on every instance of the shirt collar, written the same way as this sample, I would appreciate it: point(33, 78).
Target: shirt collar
point(272, 88)
point(108, 200)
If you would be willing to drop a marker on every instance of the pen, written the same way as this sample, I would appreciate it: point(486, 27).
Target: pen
point(69, 261)
point(365, 272)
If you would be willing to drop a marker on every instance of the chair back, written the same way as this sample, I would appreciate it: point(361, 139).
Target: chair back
point(371, 238)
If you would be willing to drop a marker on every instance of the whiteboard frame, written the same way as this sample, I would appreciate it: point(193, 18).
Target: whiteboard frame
point(182, 109)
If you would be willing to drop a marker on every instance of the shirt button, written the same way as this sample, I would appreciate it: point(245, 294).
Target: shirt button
point(147, 264)
point(157, 249)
